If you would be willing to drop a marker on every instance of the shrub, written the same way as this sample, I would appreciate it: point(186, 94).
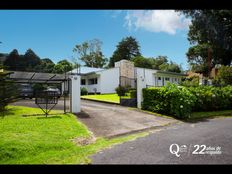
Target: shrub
point(211, 98)
point(84, 91)
point(121, 91)
point(192, 81)
point(133, 93)
point(224, 76)
point(179, 101)
point(171, 99)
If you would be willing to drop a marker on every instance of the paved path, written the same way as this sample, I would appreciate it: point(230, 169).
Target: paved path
point(154, 149)
point(112, 120)
point(109, 120)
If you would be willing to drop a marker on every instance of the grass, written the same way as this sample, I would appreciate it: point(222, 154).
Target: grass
point(41, 140)
point(112, 98)
point(202, 115)
point(195, 116)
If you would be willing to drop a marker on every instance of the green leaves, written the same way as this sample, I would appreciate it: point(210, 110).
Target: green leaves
point(180, 101)
point(171, 99)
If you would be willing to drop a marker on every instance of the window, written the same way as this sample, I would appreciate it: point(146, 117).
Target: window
point(82, 81)
point(167, 78)
point(92, 81)
point(159, 78)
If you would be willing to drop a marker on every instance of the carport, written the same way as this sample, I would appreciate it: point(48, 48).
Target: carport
point(69, 84)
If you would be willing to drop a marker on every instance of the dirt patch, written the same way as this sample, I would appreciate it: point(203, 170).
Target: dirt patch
point(83, 141)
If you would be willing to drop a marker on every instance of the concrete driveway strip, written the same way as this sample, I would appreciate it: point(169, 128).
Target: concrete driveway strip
point(110, 120)
point(155, 148)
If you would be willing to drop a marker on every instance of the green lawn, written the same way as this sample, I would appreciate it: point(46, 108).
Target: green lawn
point(41, 140)
point(200, 115)
point(113, 98)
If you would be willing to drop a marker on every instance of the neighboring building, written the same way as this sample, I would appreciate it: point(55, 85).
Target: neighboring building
point(103, 81)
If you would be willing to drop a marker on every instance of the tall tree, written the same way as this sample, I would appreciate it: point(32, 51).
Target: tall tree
point(31, 60)
point(210, 33)
point(62, 67)
point(12, 60)
point(90, 53)
point(46, 65)
point(127, 48)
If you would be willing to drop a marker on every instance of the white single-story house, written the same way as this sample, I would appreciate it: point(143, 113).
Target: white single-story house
point(97, 80)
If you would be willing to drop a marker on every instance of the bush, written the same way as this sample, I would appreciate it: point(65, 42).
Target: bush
point(192, 81)
point(133, 93)
point(211, 98)
point(84, 91)
point(180, 101)
point(121, 91)
point(171, 99)
point(224, 76)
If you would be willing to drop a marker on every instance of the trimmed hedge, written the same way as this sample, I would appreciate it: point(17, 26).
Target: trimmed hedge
point(180, 101)
point(171, 99)
point(211, 98)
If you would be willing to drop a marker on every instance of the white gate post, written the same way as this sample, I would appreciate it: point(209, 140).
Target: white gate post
point(140, 85)
point(75, 94)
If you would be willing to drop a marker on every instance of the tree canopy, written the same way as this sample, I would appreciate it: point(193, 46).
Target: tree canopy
point(90, 53)
point(209, 32)
point(127, 48)
point(158, 63)
point(62, 67)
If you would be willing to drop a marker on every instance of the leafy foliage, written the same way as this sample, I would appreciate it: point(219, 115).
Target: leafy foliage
point(62, 67)
point(90, 53)
point(84, 91)
point(224, 76)
point(192, 81)
point(210, 29)
point(180, 101)
point(171, 99)
point(121, 90)
point(211, 98)
point(159, 63)
point(127, 49)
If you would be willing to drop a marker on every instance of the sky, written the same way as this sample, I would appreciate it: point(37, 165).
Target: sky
point(54, 33)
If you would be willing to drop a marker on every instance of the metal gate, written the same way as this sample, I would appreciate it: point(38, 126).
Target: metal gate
point(128, 96)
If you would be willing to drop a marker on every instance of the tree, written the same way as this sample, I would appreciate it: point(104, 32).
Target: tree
point(90, 53)
point(160, 62)
point(224, 76)
point(46, 65)
point(30, 60)
point(210, 30)
point(142, 62)
point(12, 61)
point(127, 49)
point(62, 67)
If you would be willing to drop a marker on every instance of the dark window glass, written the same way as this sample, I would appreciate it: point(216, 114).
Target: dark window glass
point(82, 81)
point(92, 81)
point(167, 78)
point(159, 78)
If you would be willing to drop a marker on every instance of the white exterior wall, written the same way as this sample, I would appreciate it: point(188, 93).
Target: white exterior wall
point(75, 94)
point(109, 80)
point(91, 88)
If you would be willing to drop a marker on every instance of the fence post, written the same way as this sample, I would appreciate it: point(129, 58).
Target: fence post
point(140, 85)
point(75, 94)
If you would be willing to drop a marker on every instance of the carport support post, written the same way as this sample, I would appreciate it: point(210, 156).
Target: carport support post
point(140, 85)
point(75, 94)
